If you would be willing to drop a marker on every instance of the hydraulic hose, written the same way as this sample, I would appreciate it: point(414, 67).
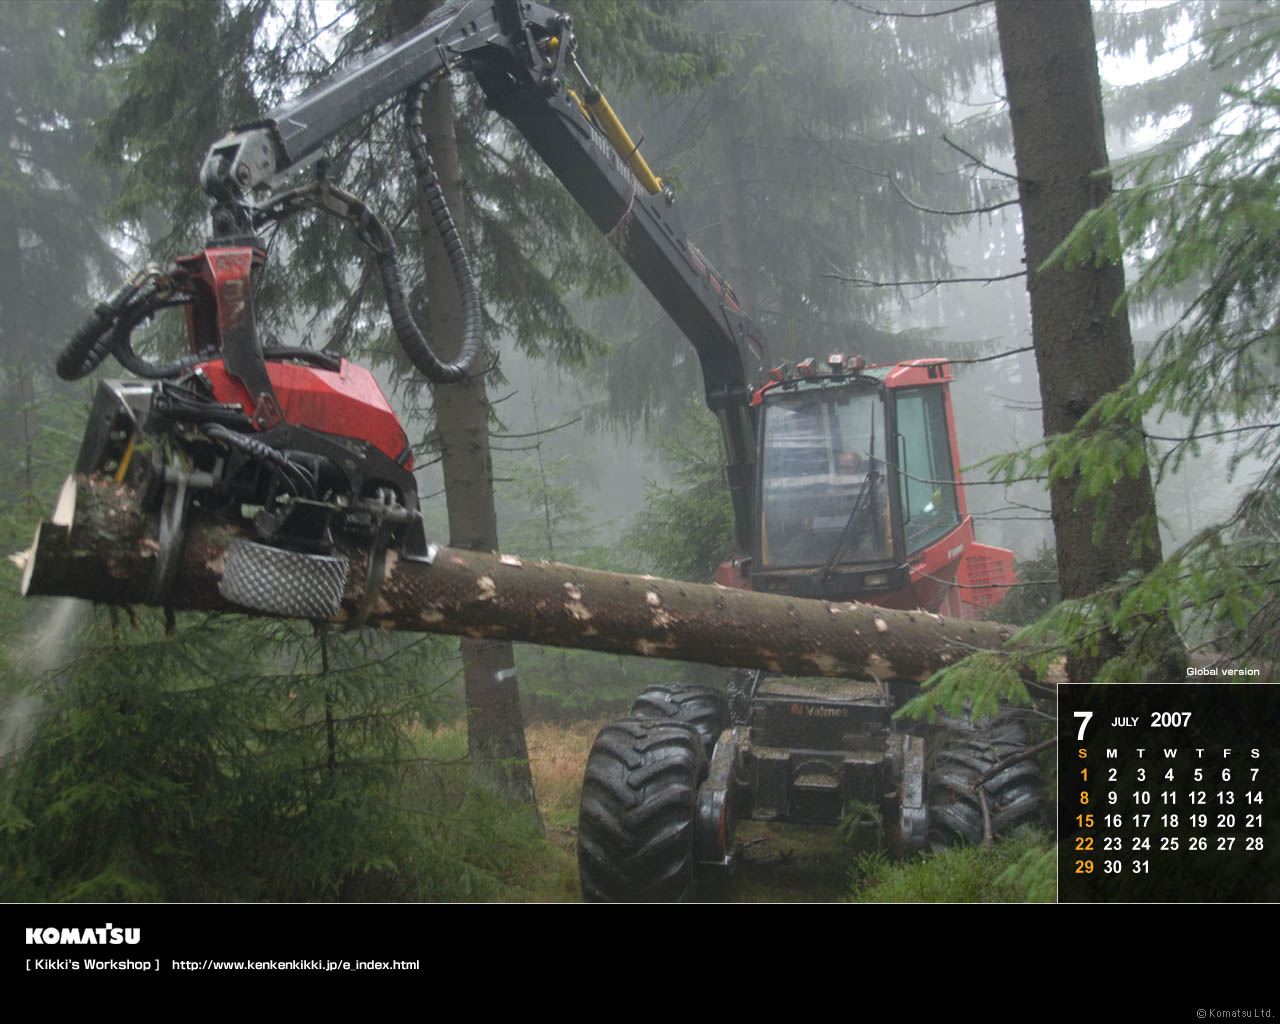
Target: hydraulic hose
point(407, 331)
point(89, 345)
point(329, 198)
point(298, 478)
point(122, 347)
point(109, 331)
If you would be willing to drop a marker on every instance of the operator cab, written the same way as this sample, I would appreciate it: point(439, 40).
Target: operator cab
point(824, 490)
point(857, 496)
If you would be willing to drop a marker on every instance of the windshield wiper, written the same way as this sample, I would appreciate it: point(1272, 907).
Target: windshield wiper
point(862, 500)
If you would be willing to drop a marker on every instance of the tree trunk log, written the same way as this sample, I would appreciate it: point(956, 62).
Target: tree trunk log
point(1083, 346)
point(100, 546)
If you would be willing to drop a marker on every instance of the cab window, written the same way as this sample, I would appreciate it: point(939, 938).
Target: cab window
point(926, 474)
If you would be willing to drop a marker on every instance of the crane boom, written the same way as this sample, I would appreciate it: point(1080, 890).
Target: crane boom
point(518, 53)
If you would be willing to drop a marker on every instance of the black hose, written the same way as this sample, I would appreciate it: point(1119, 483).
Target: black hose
point(407, 331)
point(109, 332)
point(88, 346)
point(122, 349)
point(296, 477)
point(121, 346)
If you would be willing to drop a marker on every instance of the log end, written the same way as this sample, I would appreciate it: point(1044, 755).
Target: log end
point(26, 561)
point(64, 512)
point(63, 516)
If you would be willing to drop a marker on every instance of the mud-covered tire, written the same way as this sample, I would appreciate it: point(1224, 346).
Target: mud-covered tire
point(636, 818)
point(965, 752)
point(707, 710)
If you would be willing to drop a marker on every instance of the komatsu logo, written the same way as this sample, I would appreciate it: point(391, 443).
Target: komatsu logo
point(104, 936)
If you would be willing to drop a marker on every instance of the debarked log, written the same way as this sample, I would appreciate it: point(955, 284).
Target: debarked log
point(102, 546)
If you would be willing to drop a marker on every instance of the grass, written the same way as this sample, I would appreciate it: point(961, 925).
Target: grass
point(1019, 869)
point(520, 870)
point(558, 757)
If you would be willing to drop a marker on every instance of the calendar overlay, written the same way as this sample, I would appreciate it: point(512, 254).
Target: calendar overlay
point(1169, 794)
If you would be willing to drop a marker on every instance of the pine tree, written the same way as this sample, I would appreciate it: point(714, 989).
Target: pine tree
point(685, 530)
point(1198, 215)
point(232, 761)
point(50, 197)
point(788, 171)
point(1055, 105)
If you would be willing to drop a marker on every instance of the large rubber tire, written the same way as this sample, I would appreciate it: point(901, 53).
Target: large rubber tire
point(705, 709)
point(636, 819)
point(967, 751)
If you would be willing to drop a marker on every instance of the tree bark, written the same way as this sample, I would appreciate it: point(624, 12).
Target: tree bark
point(101, 546)
point(1083, 348)
point(495, 731)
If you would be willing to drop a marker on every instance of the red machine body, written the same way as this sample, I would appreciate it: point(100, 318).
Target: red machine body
point(924, 553)
point(348, 402)
point(955, 575)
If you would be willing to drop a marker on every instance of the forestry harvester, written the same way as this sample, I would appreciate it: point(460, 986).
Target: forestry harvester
point(844, 477)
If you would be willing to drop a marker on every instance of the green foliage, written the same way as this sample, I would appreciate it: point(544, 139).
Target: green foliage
point(1020, 869)
point(862, 824)
point(47, 433)
point(243, 761)
point(975, 688)
point(1198, 217)
point(52, 253)
point(47, 424)
point(1034, 872)
point(186, 71)
point(686, 530)
point(1185, 98)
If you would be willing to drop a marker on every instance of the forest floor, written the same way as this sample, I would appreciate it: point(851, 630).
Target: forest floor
point(777, 863)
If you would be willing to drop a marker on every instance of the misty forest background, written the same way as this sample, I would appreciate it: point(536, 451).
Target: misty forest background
point(847, 166)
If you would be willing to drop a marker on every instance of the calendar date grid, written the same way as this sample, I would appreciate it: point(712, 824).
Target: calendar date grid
point(1164, 801)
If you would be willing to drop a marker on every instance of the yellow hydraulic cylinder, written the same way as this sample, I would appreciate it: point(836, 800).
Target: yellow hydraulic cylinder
point(621, 141)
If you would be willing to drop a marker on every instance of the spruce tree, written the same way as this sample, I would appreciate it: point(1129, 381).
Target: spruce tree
point(1198, 215)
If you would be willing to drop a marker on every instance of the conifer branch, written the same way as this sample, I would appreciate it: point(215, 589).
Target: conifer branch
point(978, 161)
point(998, 355)
point(920, 14)
point(1211, 433)
point(931, 283)
point(971, 211)
point(539, 433)
point(893, 183)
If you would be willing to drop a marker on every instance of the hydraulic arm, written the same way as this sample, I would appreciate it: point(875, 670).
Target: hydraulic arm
point(520, 54)
point(523, 56)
